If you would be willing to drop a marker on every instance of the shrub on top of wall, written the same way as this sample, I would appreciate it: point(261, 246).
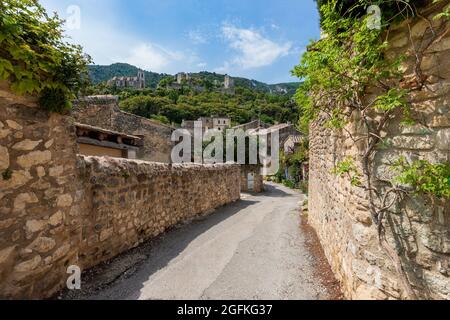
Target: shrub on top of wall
point(35, 58)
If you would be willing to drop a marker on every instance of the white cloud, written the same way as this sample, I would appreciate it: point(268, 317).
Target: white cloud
point(253, 49)
point(153, 57)
point(197, 37)
point(275, 26)
point(107, 42)
point(202, 65)
point(226, 68)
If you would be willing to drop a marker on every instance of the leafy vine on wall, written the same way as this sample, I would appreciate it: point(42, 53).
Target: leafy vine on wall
point(348, 79)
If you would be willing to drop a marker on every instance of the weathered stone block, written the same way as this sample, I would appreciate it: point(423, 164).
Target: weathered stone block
point(366, 292)
point(56, 219)
point(23, 199)
point(105, 234)
point(5, 224)
point(26, 145)
point(440, 121)
point(4, 133)
point(13, 125)
point(56, 171)
point(7, 255)
point(49, 143)
point(443, 140)
point(33, 226)
point(29, 265)
point(61, 252)
point(64, 200)
point(439, 285)
point(434, 239)
point(416, 129)
point(4, 158)
point(40, 172)
point(34, 158)
point(42, 244)
point(413, 143)
point(18, 179)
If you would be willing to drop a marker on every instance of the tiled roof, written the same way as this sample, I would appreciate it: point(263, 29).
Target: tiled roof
point(295, 138)
point(98, 129)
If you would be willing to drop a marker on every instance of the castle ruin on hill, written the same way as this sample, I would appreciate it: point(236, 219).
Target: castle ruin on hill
point(137, 82)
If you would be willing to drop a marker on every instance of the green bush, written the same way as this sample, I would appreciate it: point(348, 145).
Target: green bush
point(34, 57)
point(54, 100)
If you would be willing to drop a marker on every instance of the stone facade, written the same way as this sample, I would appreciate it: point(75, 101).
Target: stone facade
point(38, 235)
point(418, 229)
point(59, 209)
point(252, 179)
point(208, 123)
point(255, 124)
point(104, 112)
point(137, 83)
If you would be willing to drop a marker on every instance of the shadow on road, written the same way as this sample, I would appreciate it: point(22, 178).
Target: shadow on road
point(141, 262)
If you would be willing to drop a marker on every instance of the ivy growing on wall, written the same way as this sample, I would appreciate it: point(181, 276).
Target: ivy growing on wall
point(35, 58)
point(347, 78)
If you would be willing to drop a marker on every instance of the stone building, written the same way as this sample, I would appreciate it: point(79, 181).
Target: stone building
point(284, 131)
point(255, 124)
point(95, 141)
point(292, 144)
point(182, 77)
point(228, 85)
point(103, 113)
point(137, 83)
point(213, 122)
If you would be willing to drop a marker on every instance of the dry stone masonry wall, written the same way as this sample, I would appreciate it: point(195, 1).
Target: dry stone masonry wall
point(127, 202)
point(420, 229)
point(38, 238)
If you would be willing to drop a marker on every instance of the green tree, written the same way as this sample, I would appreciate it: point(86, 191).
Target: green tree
point(35, 58)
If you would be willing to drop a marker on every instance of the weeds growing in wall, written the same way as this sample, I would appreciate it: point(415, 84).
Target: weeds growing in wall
point(34, 57)
point(348, 79)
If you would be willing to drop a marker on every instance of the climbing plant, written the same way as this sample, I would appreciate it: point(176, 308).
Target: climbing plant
point(348, 79)
point(35, 58)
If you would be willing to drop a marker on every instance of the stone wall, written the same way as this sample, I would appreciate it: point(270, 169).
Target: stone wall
point(104, 112)
point(38, 235)
point(126, 202)
point(59, 209)
point(419, 229)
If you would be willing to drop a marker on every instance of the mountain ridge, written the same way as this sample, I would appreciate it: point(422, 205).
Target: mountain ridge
point(102, 73)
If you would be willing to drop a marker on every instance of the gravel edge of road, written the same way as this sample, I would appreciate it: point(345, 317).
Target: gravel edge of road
point(322, 269)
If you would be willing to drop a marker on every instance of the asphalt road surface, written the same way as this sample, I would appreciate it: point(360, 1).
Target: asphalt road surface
point(251, 249)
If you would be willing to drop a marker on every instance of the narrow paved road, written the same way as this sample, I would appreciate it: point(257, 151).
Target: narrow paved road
point(252, 249)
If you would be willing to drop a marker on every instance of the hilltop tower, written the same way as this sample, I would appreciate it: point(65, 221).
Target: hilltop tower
point(141, 79)
point(182, 77)
point(229, 82)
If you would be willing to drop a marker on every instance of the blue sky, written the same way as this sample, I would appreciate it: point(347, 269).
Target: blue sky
point(257, 39)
